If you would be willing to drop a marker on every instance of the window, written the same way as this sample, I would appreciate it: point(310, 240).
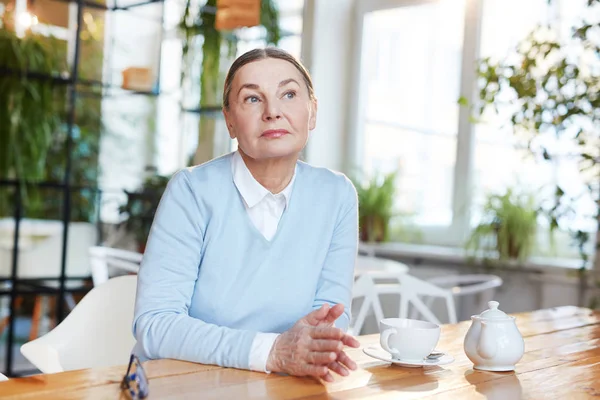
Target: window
point(415, 61)
point(411, 59)
point(500, 160)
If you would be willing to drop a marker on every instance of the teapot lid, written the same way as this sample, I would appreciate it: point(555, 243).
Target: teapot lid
point(493, 312)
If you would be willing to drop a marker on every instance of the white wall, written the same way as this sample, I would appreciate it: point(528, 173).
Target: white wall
point(326, 52)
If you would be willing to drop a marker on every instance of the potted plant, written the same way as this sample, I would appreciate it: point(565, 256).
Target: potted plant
point(508, 227)
point(375, 206)
point(141, 206)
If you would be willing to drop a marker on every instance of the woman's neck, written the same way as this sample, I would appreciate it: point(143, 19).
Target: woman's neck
point(274, 174)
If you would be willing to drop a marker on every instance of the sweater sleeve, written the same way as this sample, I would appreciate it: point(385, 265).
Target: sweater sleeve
point(167, 277)
point(337, 275)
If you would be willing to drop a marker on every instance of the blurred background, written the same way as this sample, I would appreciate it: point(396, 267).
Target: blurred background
point(469, 127)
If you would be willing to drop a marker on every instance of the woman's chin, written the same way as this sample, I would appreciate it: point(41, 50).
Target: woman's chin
point(280, 148)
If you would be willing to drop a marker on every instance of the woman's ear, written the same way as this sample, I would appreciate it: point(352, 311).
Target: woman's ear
point(228, 122)
point(312, 121)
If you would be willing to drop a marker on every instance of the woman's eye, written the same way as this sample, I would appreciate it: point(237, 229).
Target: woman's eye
point(251, 99)
point(290, 95)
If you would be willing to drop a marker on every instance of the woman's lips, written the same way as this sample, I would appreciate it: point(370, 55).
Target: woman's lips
point(274, 133)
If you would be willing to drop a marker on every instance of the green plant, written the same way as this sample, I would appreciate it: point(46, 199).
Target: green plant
point(198, 22)
point(34, 107)
point(375, 206)
point(508, 226)
point(141, 206)
point(48, 204)
point(31, 107)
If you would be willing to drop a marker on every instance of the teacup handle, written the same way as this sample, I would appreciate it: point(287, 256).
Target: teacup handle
point(385, 336)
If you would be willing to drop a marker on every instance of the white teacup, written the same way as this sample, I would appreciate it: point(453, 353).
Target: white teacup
point(408, 339)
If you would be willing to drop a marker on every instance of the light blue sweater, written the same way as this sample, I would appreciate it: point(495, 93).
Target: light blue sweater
point(209, 280)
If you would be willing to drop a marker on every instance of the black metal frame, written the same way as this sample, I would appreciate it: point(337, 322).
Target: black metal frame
point(31, 286)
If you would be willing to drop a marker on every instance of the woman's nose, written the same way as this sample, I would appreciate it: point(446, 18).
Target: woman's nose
point(272, 111)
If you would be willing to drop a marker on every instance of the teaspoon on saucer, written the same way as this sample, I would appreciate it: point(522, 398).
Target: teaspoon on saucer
point(434, 355)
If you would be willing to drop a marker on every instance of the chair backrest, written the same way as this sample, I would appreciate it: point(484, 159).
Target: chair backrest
point(107, 262)
point(3, 378)
point(96, 333)
point(462, 285)
point(364, 287)
point(411, 289)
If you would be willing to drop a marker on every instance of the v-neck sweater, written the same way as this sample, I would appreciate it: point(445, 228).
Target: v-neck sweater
point(210, 281)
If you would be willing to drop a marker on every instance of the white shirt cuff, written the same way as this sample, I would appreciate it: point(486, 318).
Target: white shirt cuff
point(260, 350)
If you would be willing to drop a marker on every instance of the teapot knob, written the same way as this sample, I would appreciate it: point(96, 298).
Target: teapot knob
point(493, 305)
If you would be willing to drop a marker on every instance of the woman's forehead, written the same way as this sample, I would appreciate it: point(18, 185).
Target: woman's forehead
point(267, 71)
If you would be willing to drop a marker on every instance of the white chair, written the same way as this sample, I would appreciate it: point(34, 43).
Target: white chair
point(3, 378)
point(107, 262)
point(364, 287)
point(96, 333)
point(483, 285)
point(411, 289)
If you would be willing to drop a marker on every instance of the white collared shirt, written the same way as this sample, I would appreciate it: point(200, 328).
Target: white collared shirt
point(263, 207)
point(265, 210)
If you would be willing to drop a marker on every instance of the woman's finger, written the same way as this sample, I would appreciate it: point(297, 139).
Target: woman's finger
point(317, 316)
point(320, 358)
point(326, 333)
point(350, 341)
point(326, 345)
point(312, 370)
point(343, 358)
point(339, 368)
point(328, 378)
point(334, 313)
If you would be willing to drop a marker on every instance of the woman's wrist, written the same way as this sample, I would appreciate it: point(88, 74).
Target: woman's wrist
point(272, 362)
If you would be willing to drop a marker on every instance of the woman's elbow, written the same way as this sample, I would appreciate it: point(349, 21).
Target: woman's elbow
point(148, 338)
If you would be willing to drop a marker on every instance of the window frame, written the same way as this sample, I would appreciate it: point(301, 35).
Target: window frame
point(462, 188)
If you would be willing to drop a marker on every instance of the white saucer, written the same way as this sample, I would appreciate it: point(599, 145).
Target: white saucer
point(380, 354)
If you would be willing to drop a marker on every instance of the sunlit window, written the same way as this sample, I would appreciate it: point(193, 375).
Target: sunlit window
point(412, 59)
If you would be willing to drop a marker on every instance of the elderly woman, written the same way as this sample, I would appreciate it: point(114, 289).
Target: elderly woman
point(250, 259)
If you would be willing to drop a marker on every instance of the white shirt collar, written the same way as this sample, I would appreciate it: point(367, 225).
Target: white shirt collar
point(251, 190)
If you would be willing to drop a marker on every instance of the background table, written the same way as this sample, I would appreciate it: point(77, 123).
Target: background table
point(562, 360)
point(379, 268)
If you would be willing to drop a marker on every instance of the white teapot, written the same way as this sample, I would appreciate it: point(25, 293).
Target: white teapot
point(493, 342)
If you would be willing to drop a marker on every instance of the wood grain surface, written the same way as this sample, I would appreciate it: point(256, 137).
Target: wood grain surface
point(562, 361)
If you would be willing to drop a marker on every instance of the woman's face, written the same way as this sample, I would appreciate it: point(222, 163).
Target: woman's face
point(270, 111)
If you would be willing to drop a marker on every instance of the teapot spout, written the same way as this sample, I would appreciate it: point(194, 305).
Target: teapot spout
point(487, 346)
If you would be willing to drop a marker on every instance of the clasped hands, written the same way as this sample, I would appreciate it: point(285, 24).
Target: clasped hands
point(313, 347)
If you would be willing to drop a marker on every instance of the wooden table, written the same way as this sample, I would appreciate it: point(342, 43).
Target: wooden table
point(562, 360)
